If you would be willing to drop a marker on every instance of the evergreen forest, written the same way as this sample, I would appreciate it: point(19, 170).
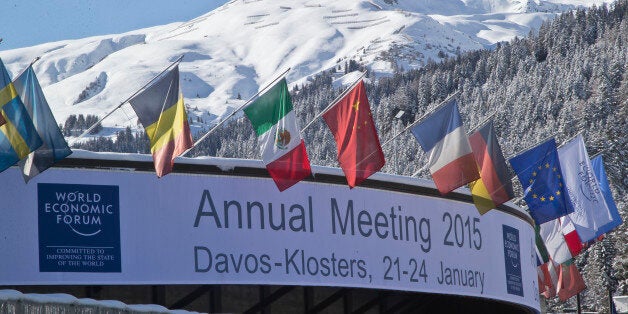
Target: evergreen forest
point(569, 77)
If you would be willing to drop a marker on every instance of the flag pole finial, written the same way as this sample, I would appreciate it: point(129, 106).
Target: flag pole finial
point(250, 100)
point(419, 120)
point(176, 62)
point(335, 101)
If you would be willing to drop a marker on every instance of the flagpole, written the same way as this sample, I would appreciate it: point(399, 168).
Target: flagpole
point(235, 111)
point(35, 60)
point(420, 119)
point(129, 98)
point(331, 104)
point(598, 154)
point(425, 115)
point(407, 128)
point(423, 118)
point(483, 123)
point(545, 139)
point(30, 65)
point(526, 149)
point(571, 138)
point(416, 173)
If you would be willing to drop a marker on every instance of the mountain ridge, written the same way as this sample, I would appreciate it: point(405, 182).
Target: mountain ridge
point(231, 51)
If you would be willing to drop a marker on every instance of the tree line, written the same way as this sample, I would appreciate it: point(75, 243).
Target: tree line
point(568, 77)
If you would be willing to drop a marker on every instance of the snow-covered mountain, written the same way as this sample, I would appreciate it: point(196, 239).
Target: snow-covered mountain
point(231, 51)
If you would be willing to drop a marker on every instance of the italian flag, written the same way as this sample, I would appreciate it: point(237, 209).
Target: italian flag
point(283, 149)
point(571, 236)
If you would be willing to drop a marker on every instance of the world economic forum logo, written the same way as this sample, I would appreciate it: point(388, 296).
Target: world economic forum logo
point(81, 212)
point(79, 227)
point(512, 260)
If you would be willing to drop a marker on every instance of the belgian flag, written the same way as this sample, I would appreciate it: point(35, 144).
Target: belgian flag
point(160, 109)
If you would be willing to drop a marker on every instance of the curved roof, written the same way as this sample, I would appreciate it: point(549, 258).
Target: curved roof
point(256, 168)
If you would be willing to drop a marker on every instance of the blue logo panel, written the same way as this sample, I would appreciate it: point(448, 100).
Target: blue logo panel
point(79, 228)
point(512, 260)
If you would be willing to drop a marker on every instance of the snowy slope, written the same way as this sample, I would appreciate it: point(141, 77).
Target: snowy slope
point(236, 48)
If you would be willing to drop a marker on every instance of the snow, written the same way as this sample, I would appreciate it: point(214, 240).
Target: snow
point(233, 50)
point(346, 79)
point(465, 7)
point(61, 298)
point(495, 27)
point(228, 164)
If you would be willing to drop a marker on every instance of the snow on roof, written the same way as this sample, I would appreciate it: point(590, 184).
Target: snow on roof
point(62, 298)
point(228, 164)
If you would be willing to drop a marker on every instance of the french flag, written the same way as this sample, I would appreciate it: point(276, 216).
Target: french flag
point(442, 137)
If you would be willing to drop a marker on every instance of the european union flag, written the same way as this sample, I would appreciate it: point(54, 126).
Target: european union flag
point(544, 191)
point(18, 136)
point(54, 147)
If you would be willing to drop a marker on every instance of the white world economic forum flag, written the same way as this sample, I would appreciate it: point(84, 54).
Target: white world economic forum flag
point(590, 210)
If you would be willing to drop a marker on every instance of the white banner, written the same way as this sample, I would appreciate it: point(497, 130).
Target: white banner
point(71, 226)
point(590, 210)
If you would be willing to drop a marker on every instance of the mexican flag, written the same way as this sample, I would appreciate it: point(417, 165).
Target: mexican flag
point(283, 149)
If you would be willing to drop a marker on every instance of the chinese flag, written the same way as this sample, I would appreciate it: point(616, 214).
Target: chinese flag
point(350, 121)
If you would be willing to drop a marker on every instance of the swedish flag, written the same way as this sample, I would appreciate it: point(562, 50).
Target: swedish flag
point(54, 148)
point(18, 136)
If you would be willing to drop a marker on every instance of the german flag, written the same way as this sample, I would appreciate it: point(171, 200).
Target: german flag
point(160, 109)
point(494, 187)
point(18, 136)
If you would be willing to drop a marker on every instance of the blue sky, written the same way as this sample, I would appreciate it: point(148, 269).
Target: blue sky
point(26, 23)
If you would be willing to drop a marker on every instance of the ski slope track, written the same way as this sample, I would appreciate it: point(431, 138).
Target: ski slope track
point(233, 50)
